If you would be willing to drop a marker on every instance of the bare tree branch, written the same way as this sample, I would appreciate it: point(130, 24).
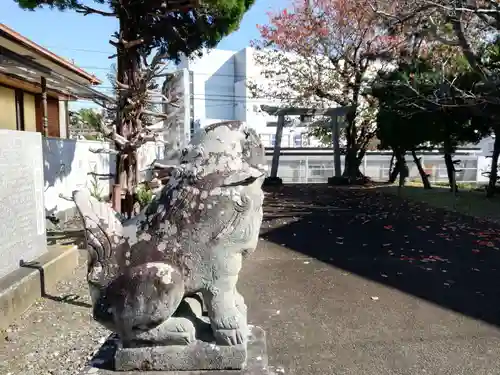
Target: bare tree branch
point(86, 10)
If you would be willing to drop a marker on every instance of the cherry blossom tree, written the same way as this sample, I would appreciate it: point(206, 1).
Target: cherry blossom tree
point(326, 53)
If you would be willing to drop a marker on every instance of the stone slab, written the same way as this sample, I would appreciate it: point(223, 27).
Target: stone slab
point(22, 287)
point(198, 355)
point(22, 219)
point(256, 362)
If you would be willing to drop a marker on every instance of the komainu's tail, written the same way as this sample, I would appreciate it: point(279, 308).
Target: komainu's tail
point(103, 230)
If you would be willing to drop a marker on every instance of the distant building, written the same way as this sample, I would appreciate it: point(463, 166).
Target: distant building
point(215, 89)
point(36, 85)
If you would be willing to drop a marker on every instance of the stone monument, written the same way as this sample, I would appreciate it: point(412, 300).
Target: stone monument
point(165, 280)
point(22, 220)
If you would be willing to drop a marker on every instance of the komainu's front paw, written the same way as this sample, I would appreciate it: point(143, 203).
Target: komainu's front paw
point(230, 329)
point(230, 337)
point(174, 331)
point(229, 320)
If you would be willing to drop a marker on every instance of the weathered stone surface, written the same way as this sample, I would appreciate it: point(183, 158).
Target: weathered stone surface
point(191, 364)
point(191, 239)
point(197, 355)
point(22, 219)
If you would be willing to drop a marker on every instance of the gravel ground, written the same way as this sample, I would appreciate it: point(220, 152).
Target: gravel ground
point(56, 336)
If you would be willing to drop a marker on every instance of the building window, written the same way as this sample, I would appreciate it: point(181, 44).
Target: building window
point(273, 140)
point(19, 110)
point(297, 140)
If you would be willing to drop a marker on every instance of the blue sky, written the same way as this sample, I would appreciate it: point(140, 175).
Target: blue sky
point(84, 39)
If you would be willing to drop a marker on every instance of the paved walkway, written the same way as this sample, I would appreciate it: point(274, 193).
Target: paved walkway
point(366, 283)
point(345, 282)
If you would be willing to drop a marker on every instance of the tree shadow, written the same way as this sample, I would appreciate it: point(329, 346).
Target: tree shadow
point(58, 156)
point(449, 259)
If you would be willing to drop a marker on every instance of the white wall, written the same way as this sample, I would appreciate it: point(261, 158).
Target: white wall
point(213, 85)
point(68, 162)
point(63, 119)
point(483, 166)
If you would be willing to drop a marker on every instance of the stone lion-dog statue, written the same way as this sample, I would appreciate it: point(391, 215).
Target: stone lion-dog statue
point(190, 239)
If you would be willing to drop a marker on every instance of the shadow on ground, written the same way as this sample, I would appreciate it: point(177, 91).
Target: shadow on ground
point(71, 299)
point(446, 258)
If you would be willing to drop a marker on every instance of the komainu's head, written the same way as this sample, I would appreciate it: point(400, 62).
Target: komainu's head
point(253, 150)
point(227, 148)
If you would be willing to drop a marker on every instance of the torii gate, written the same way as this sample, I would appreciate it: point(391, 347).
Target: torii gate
point(333, 113)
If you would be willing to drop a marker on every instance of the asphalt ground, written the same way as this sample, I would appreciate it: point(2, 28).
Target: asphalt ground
point(355, 281)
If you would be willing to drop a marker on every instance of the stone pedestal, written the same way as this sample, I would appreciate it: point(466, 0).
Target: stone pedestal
point(198, 355)
point(199, 358)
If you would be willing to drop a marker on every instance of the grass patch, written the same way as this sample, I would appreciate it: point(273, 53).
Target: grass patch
point(469, 202)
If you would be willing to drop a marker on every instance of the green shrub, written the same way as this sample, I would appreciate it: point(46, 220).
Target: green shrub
point(144, 195)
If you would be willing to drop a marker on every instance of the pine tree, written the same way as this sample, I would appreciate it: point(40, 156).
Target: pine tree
point(166, 29)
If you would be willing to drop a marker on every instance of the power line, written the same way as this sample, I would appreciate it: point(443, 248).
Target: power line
point(223, 99)
point(81, 50)
point(242, 76)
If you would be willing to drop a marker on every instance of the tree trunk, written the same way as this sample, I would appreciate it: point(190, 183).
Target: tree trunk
point(398, 166)
point(351, 166)
point(450, 170)
point(490, 190)
point(351, 162)
point(392, 169)
point(402, 168)
point(128, 70)
point(423, 175)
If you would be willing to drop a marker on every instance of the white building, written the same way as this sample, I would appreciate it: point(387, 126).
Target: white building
point(216, 89)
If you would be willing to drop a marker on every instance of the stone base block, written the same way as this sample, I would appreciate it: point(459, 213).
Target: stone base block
point(199, 358)
point(196, 356)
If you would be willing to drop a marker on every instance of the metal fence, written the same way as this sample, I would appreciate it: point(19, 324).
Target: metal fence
point(317, 168)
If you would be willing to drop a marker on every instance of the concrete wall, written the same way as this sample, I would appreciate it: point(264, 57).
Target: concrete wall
point(70, 165)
